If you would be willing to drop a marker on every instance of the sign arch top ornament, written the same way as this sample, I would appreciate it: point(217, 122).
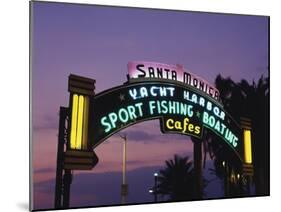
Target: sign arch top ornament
point(140, 70)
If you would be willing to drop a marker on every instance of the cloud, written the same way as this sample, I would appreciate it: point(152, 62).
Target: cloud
point(48, 122)
point(139, 135)
point(97, 189)
point(44, 170)
point(145, 137)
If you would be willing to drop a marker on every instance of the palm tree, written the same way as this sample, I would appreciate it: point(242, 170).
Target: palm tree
point(255, 99)
point(177, 179)
point(197, 158)
point(248, 100)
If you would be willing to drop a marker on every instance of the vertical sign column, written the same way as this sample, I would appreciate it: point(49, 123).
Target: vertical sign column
point(81, 89)
point(73, 133)
point(79, 155)
point(247, 139)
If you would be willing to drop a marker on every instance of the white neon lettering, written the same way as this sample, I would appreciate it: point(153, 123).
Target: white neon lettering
point(133, 93)
point(209, 106)
point(143, 92)
point(152, 91)
point(202, 101)
point(163, 91)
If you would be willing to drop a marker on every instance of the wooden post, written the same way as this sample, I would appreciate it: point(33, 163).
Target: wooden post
point(226, 179)
point(197, 158)
point(124, 185)
point(60, 157)
point(67, 178)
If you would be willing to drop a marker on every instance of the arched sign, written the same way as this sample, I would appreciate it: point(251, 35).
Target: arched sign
point(180, 107)
point(183, 102)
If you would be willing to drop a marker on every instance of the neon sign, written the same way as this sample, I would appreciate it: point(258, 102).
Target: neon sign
point(151, 70)
point(180, 109)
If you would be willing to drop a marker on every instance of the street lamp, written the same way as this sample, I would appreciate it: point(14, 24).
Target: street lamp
point(124, 185)
point(154, 190)
point(155, 186)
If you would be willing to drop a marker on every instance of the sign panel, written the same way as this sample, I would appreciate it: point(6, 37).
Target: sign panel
point(152, 70)
point(180, 109)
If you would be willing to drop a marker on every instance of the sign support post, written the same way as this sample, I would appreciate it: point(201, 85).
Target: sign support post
point(226, 179)
point(248, 170)
point(124, 186)
point(60, 151)
point(74, 151)
point(197, 158)
point(67, 179)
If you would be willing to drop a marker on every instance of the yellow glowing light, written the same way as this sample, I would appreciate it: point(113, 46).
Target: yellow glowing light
point(247, 146)
point(80, 122)
point(74, 121)
point(85, 123)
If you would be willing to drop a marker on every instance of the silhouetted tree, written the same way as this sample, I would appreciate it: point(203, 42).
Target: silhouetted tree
point(197, 170)
point(177, 179)
point(255, 104)
point(252, 101)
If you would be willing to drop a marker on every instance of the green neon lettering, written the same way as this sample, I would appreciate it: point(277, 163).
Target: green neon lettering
point(123, 115)
point(229, 136)
point(217, 126)
point(159, 106)
point(139, 106)
point(164, 106)
point(151, 107)
point(234, 142)
point(205, 117)
point(132, 112)
point(190, 110)
point(172, 107)
point(178, 108)
point(212, 121)
point(105, 124)
point(222, 128)
point(226, 134)
point(113, 119)
point(183, 109)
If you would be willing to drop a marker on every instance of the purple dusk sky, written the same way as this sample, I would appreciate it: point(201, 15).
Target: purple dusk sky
point(98, 42)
